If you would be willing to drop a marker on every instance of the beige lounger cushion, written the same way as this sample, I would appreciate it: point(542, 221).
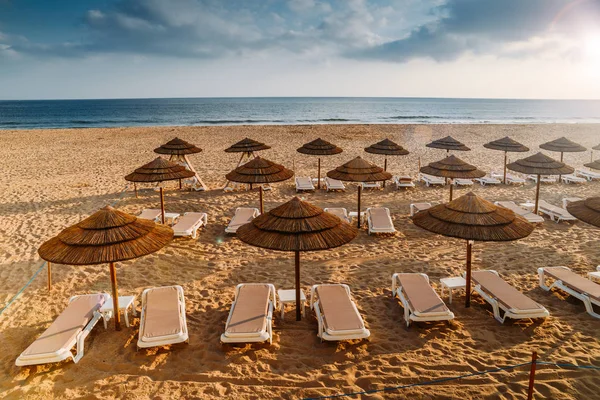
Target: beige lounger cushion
point(380, 219)
point(188, 222)
point(304, 182)
point(420, 295)
point(241, 217)
point(575, 281)
point(162, 317)
point(339, 313)
point(503, 292)
point(66, 326)
point(249, 315)
point(151, 214)
point(339, 212)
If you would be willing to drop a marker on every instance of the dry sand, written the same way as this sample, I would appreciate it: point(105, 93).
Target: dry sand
point(53, 178)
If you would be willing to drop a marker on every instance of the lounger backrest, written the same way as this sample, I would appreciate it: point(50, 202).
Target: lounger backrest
point(513, 207)
point(162, 317)
point(241, 217)
point(575, 281)
point(188, 221)
point(303, 181)
point(339, 313)
point(380, 218)
point(503, 292)
point(250, 311)
point(339, 212)
point(150, 214)
point(420, 294)
point(67, 325)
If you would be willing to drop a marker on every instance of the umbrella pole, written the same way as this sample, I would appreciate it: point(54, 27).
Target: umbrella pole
point(49, 275)
point(115, 296)
point(537, 194)
point(260, 195)
point(468, 277)
point(358, 216)
point(505, 157)
point(135, 189)
point(385, 169)
point(561, 160)
point(319, 175)
point(451, 186)
point(162, 205)
point(298, 304)
point(180, 184)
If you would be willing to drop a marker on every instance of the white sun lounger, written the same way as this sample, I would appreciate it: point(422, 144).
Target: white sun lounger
point(419, 300)
point(572, 178)
point(163, 320)
point(195, 184)
point(334, 184)
point(242, 216)
point(304, 183)
point(370, 185)
point(380, 220)
point(505, 297)
point(555, 213)
point(153, 214)
point(544, 178)
point(70, 328)
point(336, 313)
point(574, 284)
point(588, 174)
point(488, 180)
point(510, 178)
point(189, 223)
point(430, 180)
point(418, 207)
point(341, 213)
point(462, 182)
point(523, 212)
point(403, 181)
point(250, 319)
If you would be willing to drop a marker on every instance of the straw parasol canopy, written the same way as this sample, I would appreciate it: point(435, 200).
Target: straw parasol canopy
point(472, 218)
point(319, 147)
point(448, 143)
point(247, 146)
point(587, 210)
point(506, 145)
point(107, 236)
point(177, 147)
point(359, 170)
point(563, 145)
point(452, 167)
point(540, 164)
point(596, 147)
point(297, 226)
point(593, 164)
point(259, 170)
point(387, 148)
point(159, 170)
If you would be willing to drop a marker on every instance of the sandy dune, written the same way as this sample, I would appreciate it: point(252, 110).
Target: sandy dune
point(53, 178)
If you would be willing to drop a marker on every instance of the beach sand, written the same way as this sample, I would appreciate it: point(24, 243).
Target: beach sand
point(51, 179)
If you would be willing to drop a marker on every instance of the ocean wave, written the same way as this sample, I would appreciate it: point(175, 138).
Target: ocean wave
point(238, 121)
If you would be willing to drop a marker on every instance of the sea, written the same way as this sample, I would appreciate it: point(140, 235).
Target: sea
point(36, 114)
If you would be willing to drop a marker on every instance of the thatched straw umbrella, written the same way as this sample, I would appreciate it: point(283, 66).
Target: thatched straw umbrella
point(178, 150)
point(387, 148)
point(246, 147)
point(297, 226)
point(259, 170)
point(448, 143)
point(593, 164)
point(562, 145)
point(587, 210)
point(319, 147)
point(506, 145)
point(539, 164)
point(359, 170)
point(592, 152)
point(159, 170)
point(474, 219)
point(452, 167)
point(106, 237)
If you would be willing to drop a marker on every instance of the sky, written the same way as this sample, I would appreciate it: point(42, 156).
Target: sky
point(245, 48)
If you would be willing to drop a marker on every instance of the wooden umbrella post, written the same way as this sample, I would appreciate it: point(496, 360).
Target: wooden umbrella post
point(468, 277)
point(537, 194)
point(49, 275)
point(319, 175)
point(505, 162)
point(358, 216)
point(561, 160)
point(451, 186)
point(135, 189)
point(298, 303)
point(385, 169)
point(180, 184)
point(262, 204)
point(162, 205)
point(532, 375)
point(115, 296)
